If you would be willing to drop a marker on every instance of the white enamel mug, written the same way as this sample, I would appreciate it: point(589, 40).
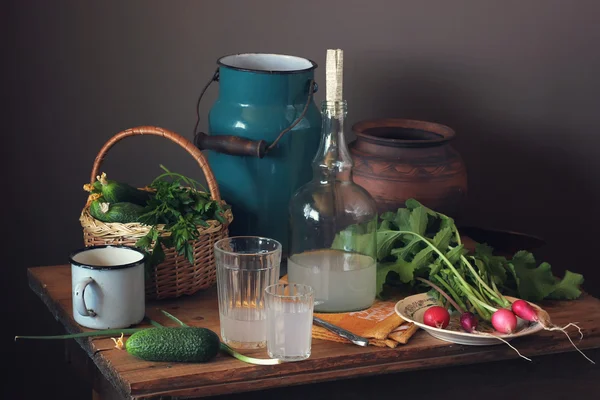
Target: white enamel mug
point(108, 286)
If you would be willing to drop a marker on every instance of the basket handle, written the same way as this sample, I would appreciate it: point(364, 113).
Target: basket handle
point(172, 136)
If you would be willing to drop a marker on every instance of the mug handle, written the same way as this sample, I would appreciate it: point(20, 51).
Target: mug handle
point(78, 299)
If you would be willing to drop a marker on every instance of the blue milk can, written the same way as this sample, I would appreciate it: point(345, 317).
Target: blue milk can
point(264, 130)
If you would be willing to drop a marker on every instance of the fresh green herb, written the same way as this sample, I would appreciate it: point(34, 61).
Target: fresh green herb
point(181, 208)
point(417, 243)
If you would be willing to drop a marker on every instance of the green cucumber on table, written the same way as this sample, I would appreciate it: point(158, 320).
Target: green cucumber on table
point(183, 344)
point(167, 344)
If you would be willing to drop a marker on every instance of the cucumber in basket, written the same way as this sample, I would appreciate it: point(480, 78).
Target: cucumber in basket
point(175, 209)
point(123, 212)
point(118, 192)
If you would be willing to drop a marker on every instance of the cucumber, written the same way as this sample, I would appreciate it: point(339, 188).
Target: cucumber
point(96, 210)
point(181, 344)
point(118, 212)
point(117, 192)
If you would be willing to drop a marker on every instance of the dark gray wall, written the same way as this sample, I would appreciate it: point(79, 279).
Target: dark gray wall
point(517, 80)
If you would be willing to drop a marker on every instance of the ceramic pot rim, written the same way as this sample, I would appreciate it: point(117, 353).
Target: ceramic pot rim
point(444, 133)
point(223, 62)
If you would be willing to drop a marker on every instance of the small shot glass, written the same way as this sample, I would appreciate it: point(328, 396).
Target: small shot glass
point(289, 321)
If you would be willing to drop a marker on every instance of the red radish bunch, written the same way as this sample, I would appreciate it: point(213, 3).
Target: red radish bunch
point(503, 320)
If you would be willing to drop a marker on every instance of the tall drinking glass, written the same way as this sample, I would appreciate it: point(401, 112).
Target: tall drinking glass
point(246, 265)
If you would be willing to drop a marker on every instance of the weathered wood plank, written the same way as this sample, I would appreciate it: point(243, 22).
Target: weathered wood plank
point(139, 379)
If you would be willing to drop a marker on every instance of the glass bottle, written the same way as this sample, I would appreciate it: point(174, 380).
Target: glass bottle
point(333, 226)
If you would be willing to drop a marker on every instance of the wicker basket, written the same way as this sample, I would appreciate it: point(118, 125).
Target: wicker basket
point(175, 276)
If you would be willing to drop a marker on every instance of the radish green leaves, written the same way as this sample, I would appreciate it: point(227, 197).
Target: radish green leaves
point(417, 242)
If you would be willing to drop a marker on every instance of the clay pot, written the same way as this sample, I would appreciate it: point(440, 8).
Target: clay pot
point(398, 159)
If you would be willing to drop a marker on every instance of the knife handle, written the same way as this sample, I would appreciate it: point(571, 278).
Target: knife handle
point(358, 340)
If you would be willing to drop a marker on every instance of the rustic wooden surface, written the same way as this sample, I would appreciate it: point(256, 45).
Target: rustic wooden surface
point(134, 378)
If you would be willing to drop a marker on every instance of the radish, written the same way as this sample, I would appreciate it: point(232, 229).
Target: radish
point(526, 311)
point(468, 322)
point(504, 321)
point(437, 317)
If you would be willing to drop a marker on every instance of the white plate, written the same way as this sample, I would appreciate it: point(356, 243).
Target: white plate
point(412, 308)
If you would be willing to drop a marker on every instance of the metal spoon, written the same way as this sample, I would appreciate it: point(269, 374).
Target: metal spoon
point(358, 340)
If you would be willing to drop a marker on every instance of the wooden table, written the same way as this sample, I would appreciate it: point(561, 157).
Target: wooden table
point(116, 374)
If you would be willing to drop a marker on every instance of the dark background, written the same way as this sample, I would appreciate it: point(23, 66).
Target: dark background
point(518, 81)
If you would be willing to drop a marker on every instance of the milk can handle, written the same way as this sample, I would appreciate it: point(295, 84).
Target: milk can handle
point(237, 146)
